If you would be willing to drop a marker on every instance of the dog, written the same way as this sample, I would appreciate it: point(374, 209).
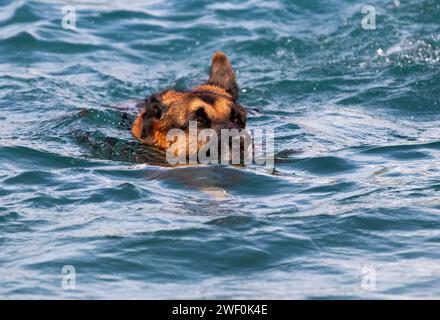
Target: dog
point(212, 105)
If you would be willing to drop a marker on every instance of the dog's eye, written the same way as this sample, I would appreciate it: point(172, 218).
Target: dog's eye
point(236, 118)
point(201, 117)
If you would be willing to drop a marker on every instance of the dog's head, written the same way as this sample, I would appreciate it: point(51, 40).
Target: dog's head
point(212, 105)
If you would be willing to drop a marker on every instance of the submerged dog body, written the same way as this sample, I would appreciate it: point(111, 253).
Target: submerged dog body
point(213, 105)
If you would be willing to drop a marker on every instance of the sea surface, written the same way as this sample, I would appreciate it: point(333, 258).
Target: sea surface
point(351, 209)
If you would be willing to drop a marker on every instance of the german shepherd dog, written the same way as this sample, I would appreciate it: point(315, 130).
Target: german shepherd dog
point(212, 105)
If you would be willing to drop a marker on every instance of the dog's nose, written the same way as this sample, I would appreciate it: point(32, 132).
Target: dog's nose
point(235, 135)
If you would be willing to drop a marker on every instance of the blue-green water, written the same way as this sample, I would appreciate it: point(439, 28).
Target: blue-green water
point(355, 194)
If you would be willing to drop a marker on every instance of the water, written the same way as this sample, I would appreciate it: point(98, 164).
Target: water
point(352, 209)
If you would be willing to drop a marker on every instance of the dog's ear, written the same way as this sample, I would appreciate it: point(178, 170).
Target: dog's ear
point(222, 74)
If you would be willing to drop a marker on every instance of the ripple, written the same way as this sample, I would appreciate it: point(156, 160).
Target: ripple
point(31, 178)
point(324, 165)
point(30, 41)
point(29, 157)
point(403, 148)
point(124, 192)
point(18, 11)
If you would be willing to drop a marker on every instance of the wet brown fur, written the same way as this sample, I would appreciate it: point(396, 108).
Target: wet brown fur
point(218, 98)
